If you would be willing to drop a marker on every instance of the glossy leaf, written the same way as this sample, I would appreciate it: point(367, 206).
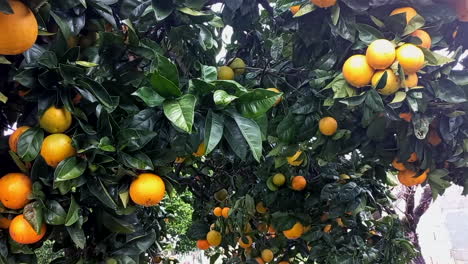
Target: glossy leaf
point(70, 168)
point(30, 143)
point(181, 111)
point(214, 127)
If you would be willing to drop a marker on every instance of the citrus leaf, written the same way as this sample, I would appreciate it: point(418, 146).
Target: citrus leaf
point(415, 23)
point(222, 98)
point(4, 60)
point(181, 111)
point(86, 64)
point(437, 183)
point(168, 69)
point(162, 8)
point(435, 59)
point(251, 133)
point(30, 143)
point(305, 9)
point(54, 213)
point(257, 102)
point(77, 235)
point(149, 96)
point(399, 97)
point(34, 214)
point(73, 213)
point(214, 127)
point(5, 7)
point(164, 86)
point(70, 168)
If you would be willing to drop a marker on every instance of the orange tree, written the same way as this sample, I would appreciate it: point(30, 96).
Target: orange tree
point(290, 146)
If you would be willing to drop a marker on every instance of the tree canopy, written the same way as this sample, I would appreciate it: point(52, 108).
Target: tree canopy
point(305, 170)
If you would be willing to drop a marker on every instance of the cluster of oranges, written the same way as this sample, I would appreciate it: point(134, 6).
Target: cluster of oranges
point(362, 70)
point(19, 30)
point(407, 176)
point(235, 68)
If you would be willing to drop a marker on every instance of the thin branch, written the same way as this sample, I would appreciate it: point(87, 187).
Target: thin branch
point(424, 204)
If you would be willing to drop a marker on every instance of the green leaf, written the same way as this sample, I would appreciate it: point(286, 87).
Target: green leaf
point(168, 69)
point(448, 91)
point(18, 162)
point(34, 214)
point(214, 127)
point(48, 59)
point(306, 9)
point(335, 14)
point(64, 27)
point(399, 97)
point(98, 189)
point(415, 23)
point(137, 244)
point(181, 111)
point(149, 96)
point(235, 139)
point(117, 224)
point(191, 12)
point(354, 100)
point(138, 160)
point(30, 143)
point(98, 91)
point(435, 59)
point(251, 133)
point(70, 168)
point(200, 87)
point(257, 102)
point(209, 73)
point(222, 98)
point(367, 33)
point(54, 214)
point(134, 139)
point(164, 86)
point(5, 7)
point(162, 8)
point(4, 60)
point(374, 101)
point(438, 185)
point(73, 212)
point(86, 64)
point(77, 235)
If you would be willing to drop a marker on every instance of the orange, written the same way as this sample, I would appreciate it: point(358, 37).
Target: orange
point(408, 178)
point(410, 12)
point(203, 244)
point(357, 71)
point(238, 65)
point(14, 138)
point(328, 126)
point(323, 3)
point(225, 73)
point(15, 189)
point(327, 228)
point(147, 189)
point(200, 150)
point(271, 231)
point(295, 160)
point(55, 120)
point(276, 91)
point(259, 260)
point(298, 183)
point(295, 9)
point(406, 116)
point(260, 207)
point(398, 165)
point(5, 223)
point(413, 157)
point(279, 179)
point(295, 232)
point(57, 147)
point(411, 80)
point(214, 238)
point(380, 54)
point(179, 160)
point(225, 212)
point(22, 232)
point(433, 137)
point(424, 37)
point(218, 211)
point(410, 57)
point(267, 255)
point(19, 30)
point(392, 83)
point(283, 262)
point(245, 245)
point(340, 223)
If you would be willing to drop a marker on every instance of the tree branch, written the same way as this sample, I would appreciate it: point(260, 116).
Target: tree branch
point(424, 204)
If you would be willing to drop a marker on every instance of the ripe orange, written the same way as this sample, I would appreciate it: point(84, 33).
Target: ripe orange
point(225, 73)
point(340, 223)
point(424, 37)
point(260, 207)
point(238, 66)
point(214, 238)
point(410, 57)
point(410, 12)
point(357, 71)
point(328, 126)
point(413, 157)
point(55, 120)
point(295, 9)
point(406, 116)
point(15, 189)
point(245, 245)
point(147, 189)
point(327, 228)
point(295, 232)
point(14, 138)
point(276, 91)
point(411, 80)
point(179, 160)
point(203, 244)
point(433, 137)
point(22, 232)
point(408, 178)
point(218, 211)
point(5, 223)
point(295, 160)
point(283, 262)
point(398, 165)
point(380, 54)
point(200, 150)
point(271, 231)
point(392, 83)
point(298, 183)
point(19, 30)
point(259, 260)
point(57, 147)
point(267, 255)
point(323, 3)
point(225, 212)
